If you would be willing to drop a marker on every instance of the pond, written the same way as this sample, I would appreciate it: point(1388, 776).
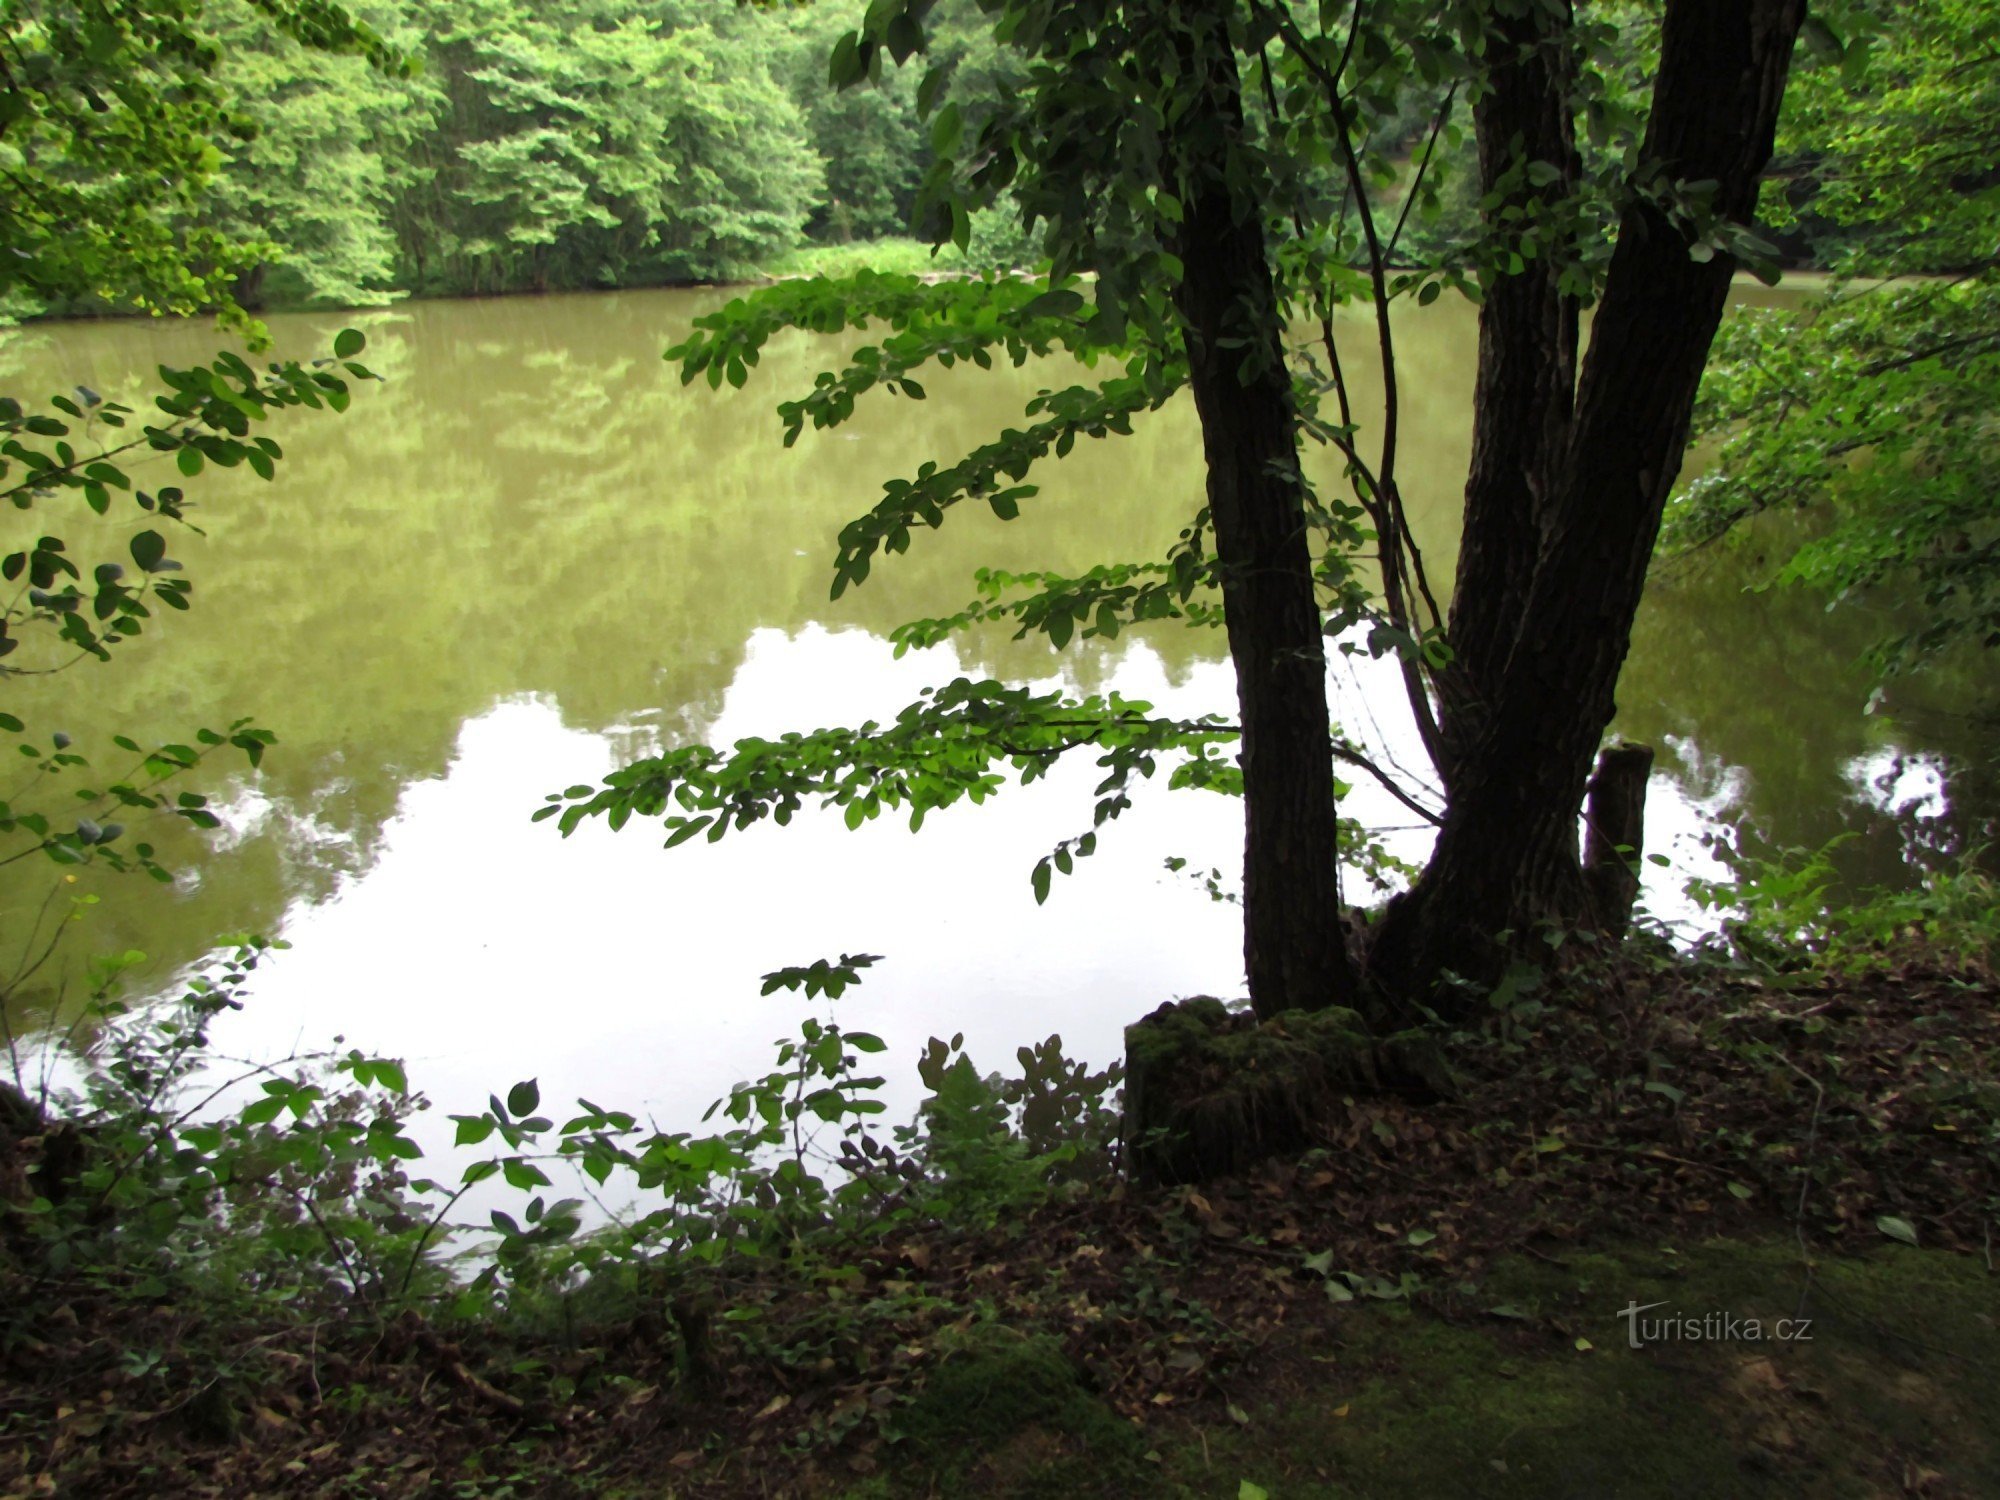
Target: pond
point(532, 555)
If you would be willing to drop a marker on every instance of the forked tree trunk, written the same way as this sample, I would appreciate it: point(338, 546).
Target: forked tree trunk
point(1506, 858)
point(1294, 949)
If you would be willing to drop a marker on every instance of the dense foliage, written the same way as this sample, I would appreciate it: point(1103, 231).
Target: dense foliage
point(113, 128)
point(1872, 409)
point(523, 145)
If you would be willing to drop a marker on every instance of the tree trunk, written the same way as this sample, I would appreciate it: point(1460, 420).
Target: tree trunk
point(1527, 368)
point(1506, 856)
point(1293, 946)
point(1614, 819)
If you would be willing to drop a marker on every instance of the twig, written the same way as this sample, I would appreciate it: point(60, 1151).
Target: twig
point(1352, 756)
point(333, 1243)
point(1651, 1155)
point(1805, 1175)
point(424, 1239)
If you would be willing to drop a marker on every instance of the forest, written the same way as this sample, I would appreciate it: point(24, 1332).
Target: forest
point(539, 147)
point(1514, 373)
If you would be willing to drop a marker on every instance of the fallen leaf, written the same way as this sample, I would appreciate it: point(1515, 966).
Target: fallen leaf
point(1897, 1229)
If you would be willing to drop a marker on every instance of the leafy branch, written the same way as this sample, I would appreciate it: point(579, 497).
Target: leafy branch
point(948, 746)
point(210, 408)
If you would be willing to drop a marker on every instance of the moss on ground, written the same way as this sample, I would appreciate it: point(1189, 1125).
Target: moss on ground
point(1209, 1092)
point(1896, 1390)
point(1007, 1414)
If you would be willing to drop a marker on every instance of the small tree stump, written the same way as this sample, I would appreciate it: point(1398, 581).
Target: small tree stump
point(20, 1123)
point(1615, 837)
point(1208, 1093)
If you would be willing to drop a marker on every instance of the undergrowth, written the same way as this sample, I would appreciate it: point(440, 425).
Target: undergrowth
point(194, 1253)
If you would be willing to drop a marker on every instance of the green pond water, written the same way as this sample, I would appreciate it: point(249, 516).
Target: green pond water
point(532, 554)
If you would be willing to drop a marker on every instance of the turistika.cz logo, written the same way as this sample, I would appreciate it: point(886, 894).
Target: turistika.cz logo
point(1711, 1327)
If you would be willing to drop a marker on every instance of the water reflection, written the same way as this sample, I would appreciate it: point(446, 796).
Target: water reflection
point(533, 554)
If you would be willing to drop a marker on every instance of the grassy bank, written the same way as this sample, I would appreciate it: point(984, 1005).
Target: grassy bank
point(901, 257)
point(1431, 1300)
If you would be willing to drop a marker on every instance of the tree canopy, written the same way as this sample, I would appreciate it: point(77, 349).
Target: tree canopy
point(113, 128)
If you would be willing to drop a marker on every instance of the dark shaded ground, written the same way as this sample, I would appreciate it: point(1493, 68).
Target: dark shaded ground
point(1427, 1303)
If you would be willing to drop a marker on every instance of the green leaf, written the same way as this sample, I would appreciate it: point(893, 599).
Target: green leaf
point(189, 461)
point(1060, 303)
point(148, 548)
point(1897, 1228)
point(523, 1174)
point(523, 1098)
point(946, 130)
point(348, 343)
point(1821, 38)
point(845, 66)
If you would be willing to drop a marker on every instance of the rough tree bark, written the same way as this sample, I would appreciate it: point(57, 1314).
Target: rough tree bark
point(1294, 950)
point(1527, 369)
point(1506, 856)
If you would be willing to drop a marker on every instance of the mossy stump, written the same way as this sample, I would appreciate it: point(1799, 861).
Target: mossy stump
point(1208, 1093)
